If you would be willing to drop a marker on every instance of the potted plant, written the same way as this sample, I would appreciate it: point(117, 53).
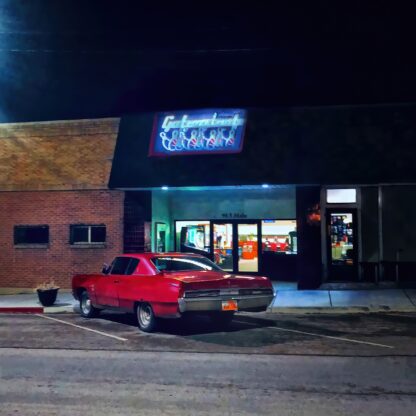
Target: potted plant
point(47, 293)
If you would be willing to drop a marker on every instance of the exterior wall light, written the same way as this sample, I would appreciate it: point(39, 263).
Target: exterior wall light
point(165, 188)
point(265, 185)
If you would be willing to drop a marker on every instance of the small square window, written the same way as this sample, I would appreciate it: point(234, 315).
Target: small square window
point(80, 235)
point(98, 234)
point(87, 234)
point(31, 234)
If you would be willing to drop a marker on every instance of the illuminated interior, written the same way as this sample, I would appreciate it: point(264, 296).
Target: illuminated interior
point(223, 245)
point(195, 235)
point(279, 236)
point(342, 239)
point(248, 248)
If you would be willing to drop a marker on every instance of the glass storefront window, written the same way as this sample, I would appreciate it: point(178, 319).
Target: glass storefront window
point(192, 236)
point(279, 236)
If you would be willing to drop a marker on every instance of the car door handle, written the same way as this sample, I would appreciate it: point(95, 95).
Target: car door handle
point(116, 281)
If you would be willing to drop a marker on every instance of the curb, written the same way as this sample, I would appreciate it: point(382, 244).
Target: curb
point(61, 309)
point(21, 309)
point(38, 309)
point(337, 310)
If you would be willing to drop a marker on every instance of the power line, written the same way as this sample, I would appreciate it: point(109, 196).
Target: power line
point(136, 51)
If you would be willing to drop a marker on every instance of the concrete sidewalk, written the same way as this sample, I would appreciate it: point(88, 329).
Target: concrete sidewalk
point(287, 300)
point(374, 300)
point(65, 303)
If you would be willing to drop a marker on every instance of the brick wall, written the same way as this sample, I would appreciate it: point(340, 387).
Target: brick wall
point(27, 267)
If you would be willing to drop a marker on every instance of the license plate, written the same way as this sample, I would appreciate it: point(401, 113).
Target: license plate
point(229, 305)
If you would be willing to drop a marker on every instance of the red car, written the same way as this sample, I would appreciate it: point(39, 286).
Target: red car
point(168, 285)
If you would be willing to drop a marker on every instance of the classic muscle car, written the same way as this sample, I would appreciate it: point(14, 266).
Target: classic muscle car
point(170, 285)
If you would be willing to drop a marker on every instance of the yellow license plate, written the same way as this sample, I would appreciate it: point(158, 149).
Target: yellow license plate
point(229, 305)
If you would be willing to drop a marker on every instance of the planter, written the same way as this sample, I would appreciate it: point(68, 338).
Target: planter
point(47, 297)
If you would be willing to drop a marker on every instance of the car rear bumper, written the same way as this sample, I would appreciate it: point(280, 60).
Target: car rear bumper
point(245, 303)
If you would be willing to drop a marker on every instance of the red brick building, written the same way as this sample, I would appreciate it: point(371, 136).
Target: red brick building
point(57, 215)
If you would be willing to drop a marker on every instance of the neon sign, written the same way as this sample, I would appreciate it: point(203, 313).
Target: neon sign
point(198, 132)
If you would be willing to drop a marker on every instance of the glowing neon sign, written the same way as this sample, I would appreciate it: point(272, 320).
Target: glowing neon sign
point(198, 132)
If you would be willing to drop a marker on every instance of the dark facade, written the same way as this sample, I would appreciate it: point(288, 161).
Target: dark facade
point(327, 145)
point(302, 152)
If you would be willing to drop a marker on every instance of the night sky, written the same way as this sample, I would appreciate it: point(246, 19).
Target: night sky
point(78, 59)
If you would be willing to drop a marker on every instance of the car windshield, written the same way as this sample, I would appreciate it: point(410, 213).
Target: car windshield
point(183, 263)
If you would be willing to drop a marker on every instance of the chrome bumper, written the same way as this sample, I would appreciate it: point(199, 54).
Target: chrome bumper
point(245, 303)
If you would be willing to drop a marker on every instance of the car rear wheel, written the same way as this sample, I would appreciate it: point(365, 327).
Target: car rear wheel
point(86, 307)
point(222, 319)
point(146, 318)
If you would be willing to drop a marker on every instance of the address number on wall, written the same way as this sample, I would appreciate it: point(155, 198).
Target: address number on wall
point(233, 215)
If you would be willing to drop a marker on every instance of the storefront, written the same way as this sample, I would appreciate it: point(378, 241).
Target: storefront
point(243, 229)
point(296, 194)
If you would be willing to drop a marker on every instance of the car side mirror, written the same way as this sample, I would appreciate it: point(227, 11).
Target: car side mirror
point(106, 269)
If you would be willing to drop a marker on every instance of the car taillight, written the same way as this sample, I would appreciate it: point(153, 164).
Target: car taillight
point(181, 290)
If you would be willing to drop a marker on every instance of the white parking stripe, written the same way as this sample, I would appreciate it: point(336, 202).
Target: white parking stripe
point(331, 337)
point(82, 327)
point(320, 335)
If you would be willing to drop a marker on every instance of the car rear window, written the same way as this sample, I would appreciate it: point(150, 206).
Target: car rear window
point(183, 263)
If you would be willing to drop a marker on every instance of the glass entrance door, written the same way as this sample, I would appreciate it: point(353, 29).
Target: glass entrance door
point(235, 246)
point(223, 242)
point(342, 244)
point(248, 250)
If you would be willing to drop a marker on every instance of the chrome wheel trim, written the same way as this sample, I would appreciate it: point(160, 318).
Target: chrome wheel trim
point(144, 315)
point(86, 305)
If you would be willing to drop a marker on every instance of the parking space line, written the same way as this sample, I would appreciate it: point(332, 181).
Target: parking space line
point(82, 327)
point(331, 337)
point(320, 335)
point(404, 316)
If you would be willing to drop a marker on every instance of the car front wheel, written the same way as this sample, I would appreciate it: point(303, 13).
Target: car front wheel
point(85, 305)
point(146, 318)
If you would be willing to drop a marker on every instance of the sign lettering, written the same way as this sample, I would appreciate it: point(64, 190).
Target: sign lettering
point(198, 132)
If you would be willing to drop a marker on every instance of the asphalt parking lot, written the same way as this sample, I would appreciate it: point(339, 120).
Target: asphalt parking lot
point(307, 334)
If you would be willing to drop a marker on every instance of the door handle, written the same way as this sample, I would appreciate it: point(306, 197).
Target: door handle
point(116, 281)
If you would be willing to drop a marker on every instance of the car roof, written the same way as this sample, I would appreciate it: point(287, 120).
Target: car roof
point(149, 255)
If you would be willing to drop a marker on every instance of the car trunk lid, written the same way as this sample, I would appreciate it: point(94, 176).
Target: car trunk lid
point(201, 280)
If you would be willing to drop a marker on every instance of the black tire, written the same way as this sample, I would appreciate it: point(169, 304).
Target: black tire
point(222, 319)
point(146, 318)
point(86, 307)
